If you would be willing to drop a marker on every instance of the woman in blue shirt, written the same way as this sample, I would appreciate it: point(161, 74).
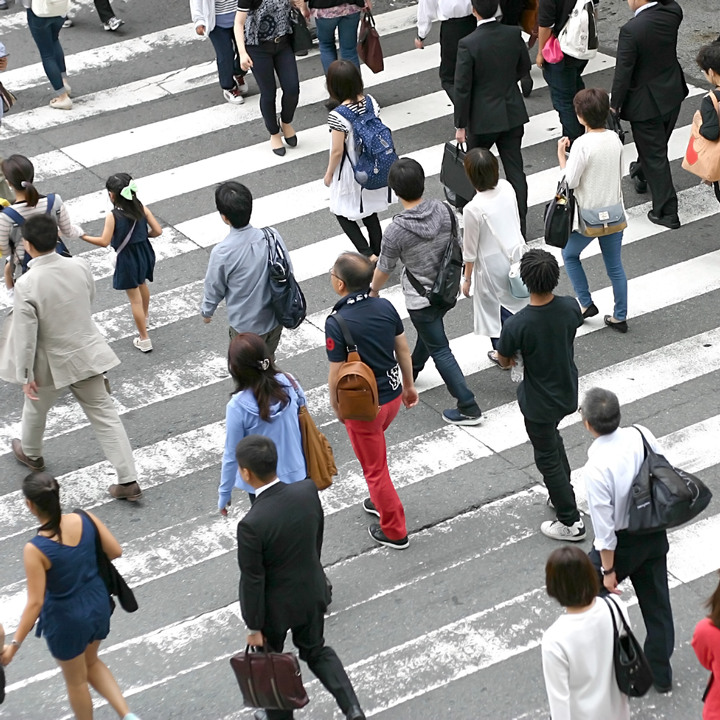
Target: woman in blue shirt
point(265, 402)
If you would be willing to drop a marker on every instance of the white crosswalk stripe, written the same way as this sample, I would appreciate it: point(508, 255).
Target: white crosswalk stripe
point(173, 400)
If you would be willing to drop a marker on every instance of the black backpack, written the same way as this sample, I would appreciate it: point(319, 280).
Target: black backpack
point(444, 292)
point(663, 496)
point(287, 298)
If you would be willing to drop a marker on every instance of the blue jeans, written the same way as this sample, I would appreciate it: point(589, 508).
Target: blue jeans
point(347, 29)
point(228, 61)
point(45, 32)
point(611, 247)
point(565, 81)
point(432, 342)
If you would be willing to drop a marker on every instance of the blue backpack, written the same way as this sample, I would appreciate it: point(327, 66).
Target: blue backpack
point(374, 146)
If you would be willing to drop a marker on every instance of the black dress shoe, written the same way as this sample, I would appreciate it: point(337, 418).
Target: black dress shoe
point(355, 713)
point(279, 151)
point(291, 141)
point(641, 186)
point(526, 85)
point(590, 311)
point(663, 689)
point(668, 221)
point(621, 327)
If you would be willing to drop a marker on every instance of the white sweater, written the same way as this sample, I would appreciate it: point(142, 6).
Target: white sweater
point(577, 656)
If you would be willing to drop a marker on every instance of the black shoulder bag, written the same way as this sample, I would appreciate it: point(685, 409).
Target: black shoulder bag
point(286, 297)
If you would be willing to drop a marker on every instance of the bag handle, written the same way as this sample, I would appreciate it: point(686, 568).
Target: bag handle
point(126, 240)
point(350, 345)
point(296, 387)
point(98, 541)
point(611, 603)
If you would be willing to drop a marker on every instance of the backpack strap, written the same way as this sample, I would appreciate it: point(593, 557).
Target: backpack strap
point(295, 387)
point(50, 203)
point(14, 215)
point(350, 345)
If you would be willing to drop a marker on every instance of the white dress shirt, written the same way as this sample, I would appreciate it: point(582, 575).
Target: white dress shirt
point(265, 487)
point(430, 10)
point(614, 461)
point(644, 7)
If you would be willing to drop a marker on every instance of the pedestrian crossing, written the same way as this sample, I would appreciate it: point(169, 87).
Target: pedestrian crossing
point(464, 608)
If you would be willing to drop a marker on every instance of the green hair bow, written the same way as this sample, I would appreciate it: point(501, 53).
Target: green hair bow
point(127, 192)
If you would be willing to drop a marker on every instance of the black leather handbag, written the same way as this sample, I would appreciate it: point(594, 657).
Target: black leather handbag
point(459, 191)
point(301, 39)
point(559, 215)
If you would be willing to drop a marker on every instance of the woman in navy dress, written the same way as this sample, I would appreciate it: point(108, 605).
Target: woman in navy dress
point(70, 598)
point(130, 221)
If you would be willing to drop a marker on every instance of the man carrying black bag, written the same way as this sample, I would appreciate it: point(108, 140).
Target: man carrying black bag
point(614, 460)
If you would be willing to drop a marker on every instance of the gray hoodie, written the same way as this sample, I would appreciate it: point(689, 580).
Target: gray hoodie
point(418, 238)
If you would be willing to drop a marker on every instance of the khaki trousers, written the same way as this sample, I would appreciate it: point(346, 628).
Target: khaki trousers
point(100, 411)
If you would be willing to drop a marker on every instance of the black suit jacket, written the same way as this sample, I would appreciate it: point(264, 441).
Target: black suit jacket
point(649, 81)
point(282, 583)
point(490, 61)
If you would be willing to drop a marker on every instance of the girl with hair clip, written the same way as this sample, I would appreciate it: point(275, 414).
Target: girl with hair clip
point(20, 174)
point(128, 229)
point(66, 592)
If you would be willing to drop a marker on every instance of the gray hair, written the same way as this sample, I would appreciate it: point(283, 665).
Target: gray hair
point(601, 410)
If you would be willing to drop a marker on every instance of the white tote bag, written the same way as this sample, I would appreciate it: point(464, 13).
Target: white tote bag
point(50, 8)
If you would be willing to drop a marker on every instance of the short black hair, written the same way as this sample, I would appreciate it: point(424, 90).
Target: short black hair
point(234, 201)
point(486, 9)
point(571, 578)
point(539, 270)
point(407, 179)
point(257, 454)
point(344, 81)
point(481, 167)
point(41, 231)
point(601, 409)
point(708, 58)
point(355, 270)
point(593, 106)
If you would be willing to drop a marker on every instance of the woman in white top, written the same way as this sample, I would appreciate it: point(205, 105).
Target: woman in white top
point(577, 649)
point(349, 202)
point(492, 236)
point(594, 171)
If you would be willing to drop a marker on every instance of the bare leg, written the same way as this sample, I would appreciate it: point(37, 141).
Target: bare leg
point(145, 294)
point(103, 681)
point(138, 311)
point(75, 673)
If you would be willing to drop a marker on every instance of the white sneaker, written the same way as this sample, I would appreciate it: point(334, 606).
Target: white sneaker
point(555, 530)
point(234, 96)
point(68, 23)
point(113, 24)
point(143, 345)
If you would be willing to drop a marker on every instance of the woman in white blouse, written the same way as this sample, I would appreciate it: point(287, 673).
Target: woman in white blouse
point(492, 236)
point(577, 649)
point(594, 171)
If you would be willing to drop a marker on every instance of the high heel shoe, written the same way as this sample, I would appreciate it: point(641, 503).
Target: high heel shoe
point(280, 151)
point(291, 141)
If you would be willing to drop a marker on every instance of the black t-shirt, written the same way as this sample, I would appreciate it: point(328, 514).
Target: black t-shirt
point(373, 323)
point(544, 334)
point(555, 14)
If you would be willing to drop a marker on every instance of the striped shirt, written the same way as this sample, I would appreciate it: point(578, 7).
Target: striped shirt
point(335, 121)
point(225, 6)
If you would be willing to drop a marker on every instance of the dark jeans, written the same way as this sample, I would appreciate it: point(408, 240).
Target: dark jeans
point(104, 10)
point(228, 60)
point(45, 32)
point(504, 315)
point(651, 140)
point(565, 81)
point(347, 30)
point(353, 231)
point(452, 31)
point(552, 462)
point(270, 58)
point(322, 661)
point(432, 342)
point(509, 145)
point(643, 558)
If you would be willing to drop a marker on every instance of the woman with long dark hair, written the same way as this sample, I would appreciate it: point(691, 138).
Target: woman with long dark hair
point(66, 592)
point(706, 644)
point(265, 402)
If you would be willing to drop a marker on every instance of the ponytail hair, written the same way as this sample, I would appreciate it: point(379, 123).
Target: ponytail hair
point(20, 173)
point(132, 207)
point(43, 491)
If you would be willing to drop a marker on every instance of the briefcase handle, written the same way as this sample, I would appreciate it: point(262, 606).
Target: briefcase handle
point(460, 147)
point(273, 680)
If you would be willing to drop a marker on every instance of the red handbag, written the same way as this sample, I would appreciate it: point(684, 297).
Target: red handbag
point(269, 680)
point(368, 46)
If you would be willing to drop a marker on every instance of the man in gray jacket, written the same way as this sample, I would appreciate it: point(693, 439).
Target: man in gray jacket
point(418, 237)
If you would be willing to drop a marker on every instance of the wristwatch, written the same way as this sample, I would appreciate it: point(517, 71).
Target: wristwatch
point(607, 572)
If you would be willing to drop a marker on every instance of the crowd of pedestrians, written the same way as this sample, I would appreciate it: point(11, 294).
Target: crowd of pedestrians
point(485, 66)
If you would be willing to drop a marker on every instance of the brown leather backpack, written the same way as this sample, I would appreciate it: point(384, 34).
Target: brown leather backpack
point(356, 389)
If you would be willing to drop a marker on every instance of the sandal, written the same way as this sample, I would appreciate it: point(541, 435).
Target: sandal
point(493, 357)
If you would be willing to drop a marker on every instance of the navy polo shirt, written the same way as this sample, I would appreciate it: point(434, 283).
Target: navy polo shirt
point(374, 324)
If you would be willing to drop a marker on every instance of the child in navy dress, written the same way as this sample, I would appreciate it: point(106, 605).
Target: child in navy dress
point(128, 229)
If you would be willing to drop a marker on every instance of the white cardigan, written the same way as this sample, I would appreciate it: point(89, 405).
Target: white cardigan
point(202, 12)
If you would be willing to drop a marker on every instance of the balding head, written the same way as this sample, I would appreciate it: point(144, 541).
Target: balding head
point(355, 272)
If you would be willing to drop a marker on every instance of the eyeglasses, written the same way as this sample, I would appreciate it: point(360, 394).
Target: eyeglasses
point(334, 274)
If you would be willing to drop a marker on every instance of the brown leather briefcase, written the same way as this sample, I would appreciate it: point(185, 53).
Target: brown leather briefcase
point(269, 680)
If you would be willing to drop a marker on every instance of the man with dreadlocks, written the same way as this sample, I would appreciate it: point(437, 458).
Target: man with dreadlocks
point(543, 334)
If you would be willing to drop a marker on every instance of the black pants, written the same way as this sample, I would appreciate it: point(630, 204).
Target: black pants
point(322, 660)
point(651, 139)
point(353, 231)
point(228, 58)
point(552, 462)
point(643, 558)
point(509, 145)
point(268, 59)
point(452, 31)
point(104, 10)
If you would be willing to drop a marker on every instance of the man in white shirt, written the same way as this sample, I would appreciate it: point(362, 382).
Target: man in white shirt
point(614, 460)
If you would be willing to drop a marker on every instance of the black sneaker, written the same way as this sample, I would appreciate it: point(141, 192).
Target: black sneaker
point(380, 537)
point(370, 508)
point(455, 417)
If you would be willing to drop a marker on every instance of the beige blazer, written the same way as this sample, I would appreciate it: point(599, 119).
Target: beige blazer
point(50, 337)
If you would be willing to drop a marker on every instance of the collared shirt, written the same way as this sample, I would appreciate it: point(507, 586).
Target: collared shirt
point(486, 20)
point(265, 487)
point(429, 10)
point(644, 7)
point(614, 461)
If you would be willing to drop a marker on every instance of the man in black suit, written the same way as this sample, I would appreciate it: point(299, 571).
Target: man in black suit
point(282, 583)
point(648, 90)
point(489, 109)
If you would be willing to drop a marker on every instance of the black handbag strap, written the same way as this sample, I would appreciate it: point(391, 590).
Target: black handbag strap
point(612, 604)
point(709, 685)
point(98, 541)
point(350, 345)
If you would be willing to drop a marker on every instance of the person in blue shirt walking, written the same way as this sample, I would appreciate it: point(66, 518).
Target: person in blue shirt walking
point(265, 402)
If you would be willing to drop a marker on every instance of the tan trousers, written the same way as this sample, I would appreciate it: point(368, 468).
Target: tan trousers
point(104, 420)
point(272, 338)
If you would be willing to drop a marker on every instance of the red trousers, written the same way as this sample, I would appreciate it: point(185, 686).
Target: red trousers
point(368, 441)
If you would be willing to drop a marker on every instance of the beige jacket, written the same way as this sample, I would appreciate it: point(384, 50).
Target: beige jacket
point(50, 337)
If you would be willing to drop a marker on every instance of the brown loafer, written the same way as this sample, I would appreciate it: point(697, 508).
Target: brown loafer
point(38, 465)
point(130, 491)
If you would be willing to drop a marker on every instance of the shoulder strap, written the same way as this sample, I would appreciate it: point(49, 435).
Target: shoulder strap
point(345, 330)
point(611, 602)
point(295, 387)
point(646, 445)
point(612, 614)
point(14, 215)
point(98, 541)
point(495, 238)
point(50, 203)
point(127, 239)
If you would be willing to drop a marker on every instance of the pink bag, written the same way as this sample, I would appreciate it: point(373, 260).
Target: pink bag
point(552, 52)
